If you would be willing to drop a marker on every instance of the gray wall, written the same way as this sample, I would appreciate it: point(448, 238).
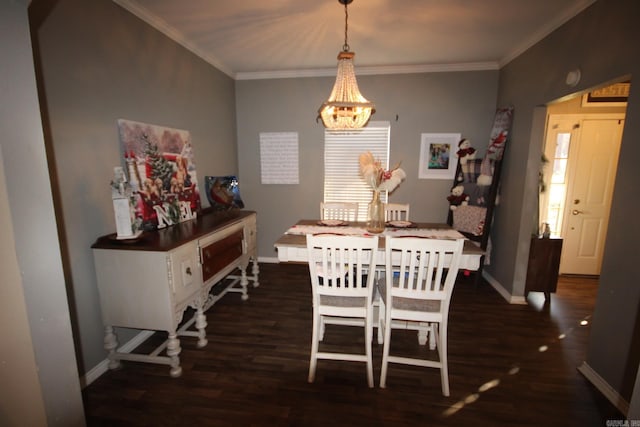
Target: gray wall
point(602, 42)
point(38, 369)
point(447, 102)
point(100, 63)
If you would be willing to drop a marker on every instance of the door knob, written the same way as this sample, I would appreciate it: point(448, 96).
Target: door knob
point(576, 212)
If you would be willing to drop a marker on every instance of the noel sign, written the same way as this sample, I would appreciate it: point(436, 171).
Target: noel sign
point(161, 173)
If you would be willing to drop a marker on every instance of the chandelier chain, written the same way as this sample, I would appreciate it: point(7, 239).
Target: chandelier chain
point(345, 47)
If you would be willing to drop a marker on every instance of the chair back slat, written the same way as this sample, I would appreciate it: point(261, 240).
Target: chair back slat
point(339, 265)
point(396, 211)
point(428, 267)
point(339, 211)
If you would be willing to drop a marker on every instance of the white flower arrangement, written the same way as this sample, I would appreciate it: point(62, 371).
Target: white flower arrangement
point(378, 178)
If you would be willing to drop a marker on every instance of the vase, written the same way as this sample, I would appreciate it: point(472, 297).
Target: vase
point(375, 220)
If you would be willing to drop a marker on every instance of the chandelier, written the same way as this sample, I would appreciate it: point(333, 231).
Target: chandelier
point(346, 108)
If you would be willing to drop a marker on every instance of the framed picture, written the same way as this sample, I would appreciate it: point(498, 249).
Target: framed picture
point(162, 173)
point(438, 159)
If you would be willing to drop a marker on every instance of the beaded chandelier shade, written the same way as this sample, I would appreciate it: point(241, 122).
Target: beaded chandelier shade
point(346, 108)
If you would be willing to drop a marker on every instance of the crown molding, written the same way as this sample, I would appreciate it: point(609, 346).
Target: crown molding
point(376, 70)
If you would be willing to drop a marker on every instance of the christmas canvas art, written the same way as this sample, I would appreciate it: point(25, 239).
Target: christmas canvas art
point(161, 172)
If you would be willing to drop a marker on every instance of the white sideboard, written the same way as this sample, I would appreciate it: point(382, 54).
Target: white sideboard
point(149, 282)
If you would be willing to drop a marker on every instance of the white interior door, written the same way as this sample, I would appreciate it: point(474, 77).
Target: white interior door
point(592, 164)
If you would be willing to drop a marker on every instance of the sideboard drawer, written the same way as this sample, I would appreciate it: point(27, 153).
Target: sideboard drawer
point(185, 278)
point(220, 254)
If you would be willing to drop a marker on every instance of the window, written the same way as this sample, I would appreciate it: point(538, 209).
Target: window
point(558, 186)
point(342, 149)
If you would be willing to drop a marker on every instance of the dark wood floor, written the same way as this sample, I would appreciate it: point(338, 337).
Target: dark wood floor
point(508, 366)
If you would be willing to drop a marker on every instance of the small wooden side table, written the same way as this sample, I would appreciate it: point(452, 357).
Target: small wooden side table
point(544, 264)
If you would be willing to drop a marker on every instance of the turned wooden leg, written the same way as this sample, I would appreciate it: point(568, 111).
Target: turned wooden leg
point(422, 336)
point(433, 335)
point(201, 325)
point(244, 282)
point(111, 344)
point(255, 271)
point(429, 333)
point(173, 350)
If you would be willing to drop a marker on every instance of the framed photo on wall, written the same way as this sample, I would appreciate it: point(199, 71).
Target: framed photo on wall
point(438, 159)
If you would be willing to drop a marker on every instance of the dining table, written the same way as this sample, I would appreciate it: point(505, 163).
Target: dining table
point(292, 244)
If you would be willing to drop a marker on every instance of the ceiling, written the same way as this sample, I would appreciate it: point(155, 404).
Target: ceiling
point(250, 39)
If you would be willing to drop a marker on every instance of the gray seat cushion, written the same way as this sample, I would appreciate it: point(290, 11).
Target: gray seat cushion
point(400, 303)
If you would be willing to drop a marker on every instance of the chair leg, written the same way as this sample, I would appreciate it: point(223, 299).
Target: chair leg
point(385, 351)
point(440, 330)
point(432, 337)
point(381, 314)
point(424, 333)
point(313, 361)
point(368, 338)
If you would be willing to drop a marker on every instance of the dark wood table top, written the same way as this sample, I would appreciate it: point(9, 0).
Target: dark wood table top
point(171, 237)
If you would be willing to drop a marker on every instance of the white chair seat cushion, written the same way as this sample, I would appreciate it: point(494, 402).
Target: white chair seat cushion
point(411, 304)
point(342, 301)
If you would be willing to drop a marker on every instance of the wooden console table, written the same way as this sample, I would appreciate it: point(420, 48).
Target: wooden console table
point(149, 282)
point(544, 262)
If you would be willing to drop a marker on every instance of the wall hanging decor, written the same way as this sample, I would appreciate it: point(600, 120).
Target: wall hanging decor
point(162, 173)
point(223, 192)
point(438, 158)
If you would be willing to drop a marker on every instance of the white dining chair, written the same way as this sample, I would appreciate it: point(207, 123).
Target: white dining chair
point(396, 212)
point(344, 211)
point(419, 277)
point(342, 293)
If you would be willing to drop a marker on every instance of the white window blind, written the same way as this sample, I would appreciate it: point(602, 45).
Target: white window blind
point(342, 149)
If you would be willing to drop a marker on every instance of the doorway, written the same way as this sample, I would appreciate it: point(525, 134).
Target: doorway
point(582, 149)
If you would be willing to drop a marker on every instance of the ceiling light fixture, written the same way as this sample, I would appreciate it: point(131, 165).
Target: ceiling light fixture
point(346, 108)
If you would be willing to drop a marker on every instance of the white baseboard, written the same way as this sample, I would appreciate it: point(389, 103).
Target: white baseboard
point(103, 366)
point(603, 387)
point(502, 291)
point(268, 260)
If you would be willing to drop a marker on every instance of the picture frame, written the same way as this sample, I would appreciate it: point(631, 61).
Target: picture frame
point(438, 158)
point(159, 162)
